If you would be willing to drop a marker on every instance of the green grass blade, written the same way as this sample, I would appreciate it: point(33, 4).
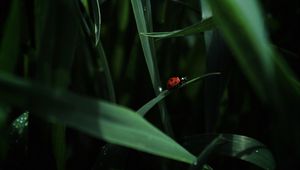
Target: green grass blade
point(102, 63)
point(144, 109)
point(10, 43)
point(204, 25)
point(250, 44)
point(99, 55)
point(236, 146)
point(143, 26)
point(57, 35)
point(11, 39)
point(142, 14)
point(113, 123)
point(270, 76)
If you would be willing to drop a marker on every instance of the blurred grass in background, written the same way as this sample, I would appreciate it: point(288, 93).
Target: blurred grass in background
point(68, 69)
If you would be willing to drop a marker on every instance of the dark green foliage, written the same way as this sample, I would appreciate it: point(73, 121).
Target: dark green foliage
point(78, 77)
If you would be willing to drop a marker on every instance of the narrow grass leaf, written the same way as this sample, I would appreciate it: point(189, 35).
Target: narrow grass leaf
point(144, 109)
point(11, 40)
point(113, 123)
point(143, 17)
point(101, 60)
point(57, 35)
point(143, 26)
point(95, 5)
point(204, 25)
point(236, 146)
point(96, 47)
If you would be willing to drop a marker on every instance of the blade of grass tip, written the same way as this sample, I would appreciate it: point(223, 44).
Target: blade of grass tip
point(146, 107)
point(144, 24)
point(202, 26)
point(207, 151)
point(104, 120)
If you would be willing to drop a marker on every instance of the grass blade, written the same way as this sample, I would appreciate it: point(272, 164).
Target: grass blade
point(142, 13)
point(250, 44)
point(95, 5)
point(99, 56)
point(101, 119)
point(144, 109)
point(204, 25)
point(10, 43)
point(101, 61)
point(270, 76)
point(142, 25)
point(57, 33)
point(11, 39)
point(236, 146)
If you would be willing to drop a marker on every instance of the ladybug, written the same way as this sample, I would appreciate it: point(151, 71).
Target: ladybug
point(174, 82)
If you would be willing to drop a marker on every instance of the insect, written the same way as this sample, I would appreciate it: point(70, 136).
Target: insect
point(174, 82)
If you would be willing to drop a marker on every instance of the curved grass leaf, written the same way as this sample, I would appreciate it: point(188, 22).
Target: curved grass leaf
point(268, 73)
point(237, 146)
point(144, 109)
point(243, 29)
point(113, 123)
point(204, 25)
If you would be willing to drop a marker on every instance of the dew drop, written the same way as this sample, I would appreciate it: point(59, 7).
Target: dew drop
point(160, 89)
point(256, 151)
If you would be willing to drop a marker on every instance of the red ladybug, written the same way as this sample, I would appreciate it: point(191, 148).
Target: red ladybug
point(175, 82)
